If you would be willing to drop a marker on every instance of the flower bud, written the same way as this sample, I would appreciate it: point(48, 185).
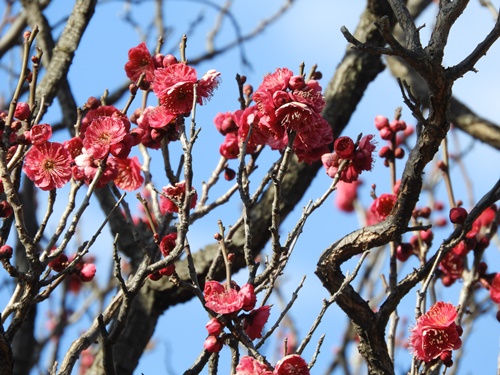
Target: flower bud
point(157, 135)
point(16, 125)
point(425, 212)
point(296, 83)
point(158, 60)
point(214, 327)
point(169, 60)
point(168, 270)
point(447, 280)
point(6, 252)
point(404, 251)
point(212, 344)
point(446, 358)
point(481, 268)
point(248, 90)
point(441, 165)
point(317, 75)
point(59, 263)
point(385, 152)
point(427, 236)
point(344, 147)
point(22, 111)
point(87, 272)
point(386, 134)
point(132, 88)
point(92, 103)
point(381, 122)
point(397, 125)
point(155, 276)
point(399, 153)
point(458, 215)
point(229, 174)
point(5, 209)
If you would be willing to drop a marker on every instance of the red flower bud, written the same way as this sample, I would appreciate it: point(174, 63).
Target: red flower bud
point(168, 270)
point(22, 111)
point(441, 165)
point(169, 60)
point(397, 125)
point(59, 263)
point(385, 152)
point(296, 83)
point(381, 122)
point(158, 60)
point(212, 344)
point(427, 236)
point(87, 272)
point(248, 90)
point(92, 103)
point(214, 327)
point(5, 209)
point(155, 276)
point(399, 153)
point(6, 252)
point(458, 215)
point(404, 251)
point(386, 134)
point(229, 174)
point(344, 147)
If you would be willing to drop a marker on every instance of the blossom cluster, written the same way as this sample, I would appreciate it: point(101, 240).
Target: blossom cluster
point(359, 158)
point(104, 141)
point(175, 84)
point(105, 136)
point(395, 133)
point(230, 300)
point(292, 364)
point(285, 106)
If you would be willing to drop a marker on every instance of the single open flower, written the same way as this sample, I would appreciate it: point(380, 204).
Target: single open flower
point(436, 332)
point(48, 165)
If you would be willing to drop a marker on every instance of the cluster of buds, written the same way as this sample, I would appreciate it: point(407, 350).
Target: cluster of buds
point(395, 132)
point(359, 158)
point(81, 272)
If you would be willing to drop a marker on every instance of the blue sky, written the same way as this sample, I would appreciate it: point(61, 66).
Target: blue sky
point(309, 33)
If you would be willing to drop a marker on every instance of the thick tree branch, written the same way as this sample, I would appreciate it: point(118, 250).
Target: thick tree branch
point(64, 51)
